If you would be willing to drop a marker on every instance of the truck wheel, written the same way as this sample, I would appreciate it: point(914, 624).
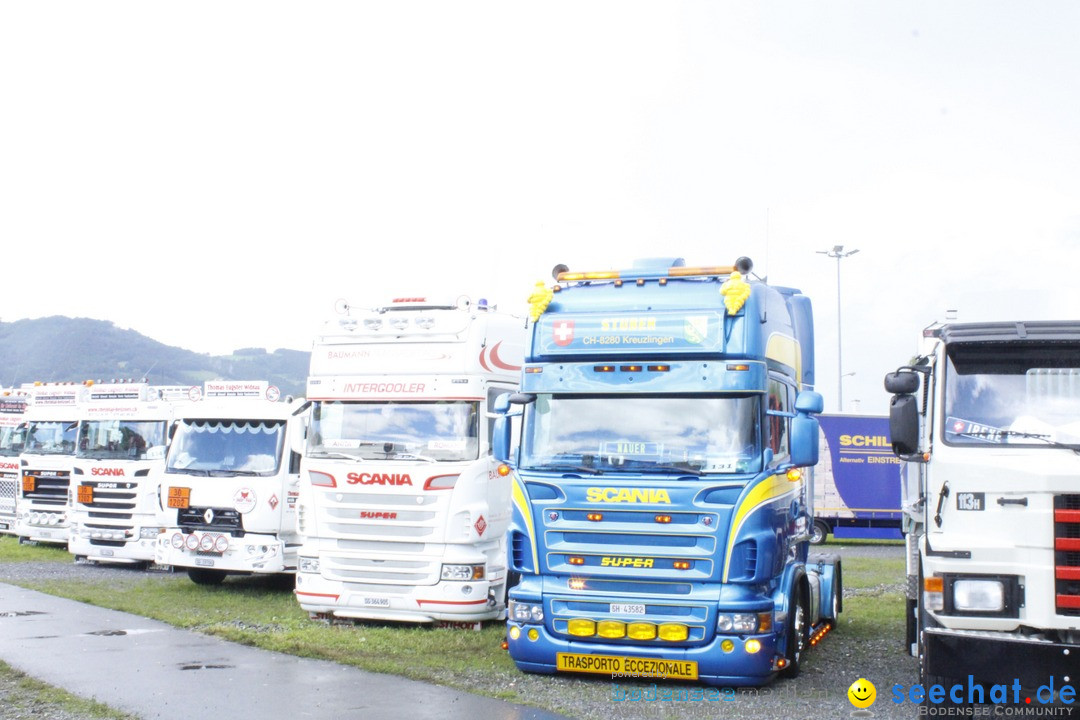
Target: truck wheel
point(206, 577)
point(796, 634)
point(819, 532)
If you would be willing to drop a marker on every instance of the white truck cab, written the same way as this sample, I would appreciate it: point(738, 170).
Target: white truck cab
point(115, 514)
point(46, 460)
point(402, 512)
point(230, 484)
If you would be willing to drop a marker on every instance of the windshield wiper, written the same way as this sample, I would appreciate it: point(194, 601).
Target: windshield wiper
point(336, 456)
point(188, 471)
point(672, 468)
point(410, 456)
point(572, 467)
point(1026, 435)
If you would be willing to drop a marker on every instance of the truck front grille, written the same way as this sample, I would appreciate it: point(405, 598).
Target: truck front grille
point(1067, 554)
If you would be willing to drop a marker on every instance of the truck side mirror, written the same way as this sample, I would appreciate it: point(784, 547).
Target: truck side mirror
point(904, 425)
point(805, 428)
point(901, 382)
point(298, 434)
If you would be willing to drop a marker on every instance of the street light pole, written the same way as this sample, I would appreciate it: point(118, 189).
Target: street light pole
point(838, 253)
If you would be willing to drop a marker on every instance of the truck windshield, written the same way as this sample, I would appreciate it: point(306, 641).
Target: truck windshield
point(1012, 394)
point(635, 433)
point(122, 439)
point(51, 437)
point(11, 440)
point(433, 431)
point(230, 447)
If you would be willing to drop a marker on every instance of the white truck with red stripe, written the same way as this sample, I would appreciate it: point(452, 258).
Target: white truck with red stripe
point(12, 409)
point(230, 484)
point(402, 512)
point(115, 515)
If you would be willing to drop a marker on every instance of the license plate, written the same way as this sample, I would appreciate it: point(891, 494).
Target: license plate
point(106, 552)
point(204, 562)
point(657, 668)
point(4, 526)
point(627, 609)
point(376, 602)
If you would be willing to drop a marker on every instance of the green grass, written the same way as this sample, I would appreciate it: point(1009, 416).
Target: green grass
point(30, 697)
point(12, 551)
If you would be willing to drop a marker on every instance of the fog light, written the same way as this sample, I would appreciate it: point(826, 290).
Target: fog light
point(221, 544)
point(515, 632)
point(309, 564)
point(612, 629)
point(581, 628)
point(177, 541)
point(753, 645)
point(206, 543)
point(673, 632)
point(192, 542)
point(534, 634)
point(641, 631)
point(727, 646)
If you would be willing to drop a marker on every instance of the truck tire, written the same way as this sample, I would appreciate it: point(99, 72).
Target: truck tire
point(200, 576)
point(819, 532)
point(797, 633)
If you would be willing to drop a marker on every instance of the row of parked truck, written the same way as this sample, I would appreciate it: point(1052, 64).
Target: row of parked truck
point(626, 476)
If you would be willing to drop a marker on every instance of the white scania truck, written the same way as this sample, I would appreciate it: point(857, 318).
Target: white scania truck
point(230, 484)
point(403, 513)
point(12, 409)
point(115, 515)
point(987, 418)
point(45, 462)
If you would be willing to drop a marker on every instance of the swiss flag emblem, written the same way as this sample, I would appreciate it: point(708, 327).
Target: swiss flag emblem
point(480, 525)
point(563, 332)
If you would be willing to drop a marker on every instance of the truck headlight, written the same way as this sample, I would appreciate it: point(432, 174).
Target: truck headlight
point(309, 564)
point(742, 623)
point(979, 595)
point(463, 572)
point(526, 612)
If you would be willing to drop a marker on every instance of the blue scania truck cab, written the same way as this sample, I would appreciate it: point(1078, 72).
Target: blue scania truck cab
point(660, 450)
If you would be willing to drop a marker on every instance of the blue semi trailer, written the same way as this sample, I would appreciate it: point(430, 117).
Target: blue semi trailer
point(857, 480)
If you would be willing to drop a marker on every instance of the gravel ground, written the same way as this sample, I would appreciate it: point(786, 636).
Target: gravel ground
point(819, 692)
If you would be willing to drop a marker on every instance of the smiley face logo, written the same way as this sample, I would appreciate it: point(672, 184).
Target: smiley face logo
point(862, 693)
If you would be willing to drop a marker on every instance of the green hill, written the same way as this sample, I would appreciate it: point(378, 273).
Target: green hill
point(57, 349)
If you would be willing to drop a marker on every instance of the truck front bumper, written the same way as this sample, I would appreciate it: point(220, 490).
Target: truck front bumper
point(249, 554)
point(725, 661)
point(996, 658)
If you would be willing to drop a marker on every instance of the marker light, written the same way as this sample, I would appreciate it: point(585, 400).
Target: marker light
point(503, 470)
point(738, 368)
point(604, 368)
point(575, 560)
point(659, 368)
point(576, 583)
point(630, 368)
point(531, 370)
point(595, 517)
point(662, 519)
point(794, 475)
point(681, 564)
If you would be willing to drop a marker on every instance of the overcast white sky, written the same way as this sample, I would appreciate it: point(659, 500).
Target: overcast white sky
point(216, 174)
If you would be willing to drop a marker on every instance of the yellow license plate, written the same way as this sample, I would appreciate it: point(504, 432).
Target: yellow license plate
point(633, 666)
point(86, 494)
